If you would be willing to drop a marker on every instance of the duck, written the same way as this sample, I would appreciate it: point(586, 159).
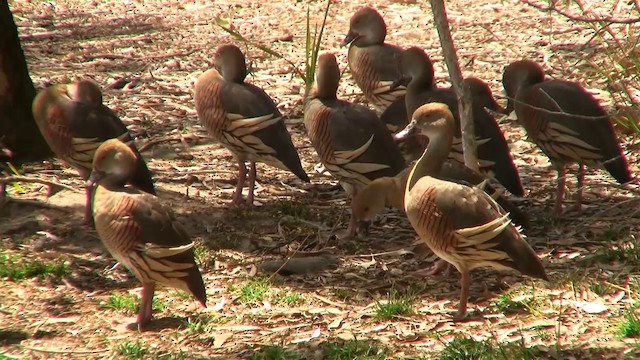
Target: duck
point(389, 192)
point(494, 155)
point(74, 122)
point(566, 122)
point(139, 230)
point(350, 140)
point(462, 224)
point(374, 64)
point(245, 120)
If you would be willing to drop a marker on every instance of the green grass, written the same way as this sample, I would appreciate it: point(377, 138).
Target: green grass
point(343, 294)
point(132, 350)
point(255, 291)
point(289, 298)
point(294, 209)
point(129, 304)
point(627, 253)
point(396, 305)
point(520, 299)
point(276, 352)
point(206, 323)
point(202, 256)
point(466, 348)
point(629, 327)
point(353, 349)
point(4, 356)
point(17, 268)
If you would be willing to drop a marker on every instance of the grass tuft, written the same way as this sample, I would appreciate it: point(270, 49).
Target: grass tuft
point(132, 350)
point(275, 352)
point(353, 349)
point(128, 303)
point(254, 291)
point(294, 209)
point(16, 268)
point(629, 327)
point(397, 305)
point(467, 348)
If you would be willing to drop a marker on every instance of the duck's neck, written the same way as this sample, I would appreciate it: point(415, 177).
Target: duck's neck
point(431, 160)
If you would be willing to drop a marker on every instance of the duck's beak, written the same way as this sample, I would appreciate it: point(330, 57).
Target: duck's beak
point(408, 131)
point(351, 37)
point(95, 177)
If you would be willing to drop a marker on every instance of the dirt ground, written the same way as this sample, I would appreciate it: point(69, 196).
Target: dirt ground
point(147, 54)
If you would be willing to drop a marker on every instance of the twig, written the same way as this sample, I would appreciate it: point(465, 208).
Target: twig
point(129, 57)
point(48, 351)
point(555, 9)
point(11, 179)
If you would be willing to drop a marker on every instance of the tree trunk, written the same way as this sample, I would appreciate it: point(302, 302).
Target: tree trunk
point(464, 97)
point(18, 130)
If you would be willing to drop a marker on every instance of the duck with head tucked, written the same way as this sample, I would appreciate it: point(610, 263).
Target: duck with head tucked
point(352, 143)
point(374, 64)
point(139, 230)
point(74, 122)
point(566, 122)
point(244, 119)
point(461, 224)
point(494, 156)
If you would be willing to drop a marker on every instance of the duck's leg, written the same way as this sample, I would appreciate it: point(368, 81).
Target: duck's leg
point(560, 187)
point(465, 281)
point(88, 214)
point(242, 175)
point(144, 316)
point(252, 183)
point(441, 266)
point(581, 175)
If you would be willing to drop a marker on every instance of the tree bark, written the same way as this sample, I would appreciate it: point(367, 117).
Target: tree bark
point(463, 95)
point(18, 130)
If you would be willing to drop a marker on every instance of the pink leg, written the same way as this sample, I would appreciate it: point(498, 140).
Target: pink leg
point(465, 281)
point(144, 316)
point(88, 214)
point(252, 183)
point(581, 174)
point(439, 267)
point(242, 175)
point(560, 189)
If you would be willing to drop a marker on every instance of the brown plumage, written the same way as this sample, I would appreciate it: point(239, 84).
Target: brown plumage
point(74, 122)
point(462, 225)
point(494, 155)
point(139, 230)
point(374, 64)
point(352, 143)
point(244, 119)
point(566, 122)
point(389, 191)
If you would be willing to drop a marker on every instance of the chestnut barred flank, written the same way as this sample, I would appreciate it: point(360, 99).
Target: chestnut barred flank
point(566, 122)
point(140, 231)
point(462, 224)
point(74, 122)
point(352, 143)
point(374, 64)
point(244, 119)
